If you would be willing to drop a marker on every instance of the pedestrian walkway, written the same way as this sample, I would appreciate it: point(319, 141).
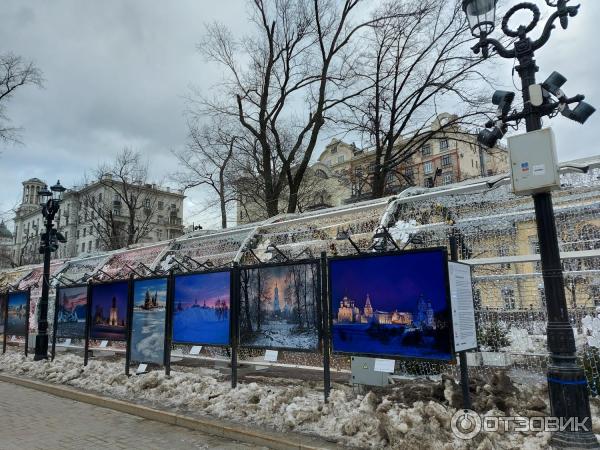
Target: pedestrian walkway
point(32, 420)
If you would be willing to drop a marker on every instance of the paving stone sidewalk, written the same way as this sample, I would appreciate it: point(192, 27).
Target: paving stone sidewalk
point(31, 420)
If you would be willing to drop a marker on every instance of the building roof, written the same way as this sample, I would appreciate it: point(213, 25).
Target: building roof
point(4, 231)
point(34, 180)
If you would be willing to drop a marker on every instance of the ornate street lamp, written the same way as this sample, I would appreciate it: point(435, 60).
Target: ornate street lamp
point(481, 15)
point(567, 384)
point(50, 203)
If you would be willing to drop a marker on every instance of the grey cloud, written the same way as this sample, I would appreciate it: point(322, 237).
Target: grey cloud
point(117, 73)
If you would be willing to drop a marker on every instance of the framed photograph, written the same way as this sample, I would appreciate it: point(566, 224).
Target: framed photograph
point(392, 305)
point(17, 314)
point(202, 308)
point(280, 306)
point(108, 311)
point(148, 322)
point(2, 311)
point(71, 311)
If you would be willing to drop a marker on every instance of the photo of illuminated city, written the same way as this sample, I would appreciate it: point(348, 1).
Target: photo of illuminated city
point(16, 323)
point(393, 305)
point(109, 311)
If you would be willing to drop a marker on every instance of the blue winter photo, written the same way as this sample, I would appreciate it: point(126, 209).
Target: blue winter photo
point(201, 309)
point(148, 323)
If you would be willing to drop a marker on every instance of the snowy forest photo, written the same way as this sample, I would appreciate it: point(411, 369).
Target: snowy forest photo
point(279, 307)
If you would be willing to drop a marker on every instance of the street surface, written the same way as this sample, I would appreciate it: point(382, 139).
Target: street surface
point(31, 419)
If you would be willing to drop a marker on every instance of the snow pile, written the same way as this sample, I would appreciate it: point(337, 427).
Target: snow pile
point(414, 414)
point(591, 330)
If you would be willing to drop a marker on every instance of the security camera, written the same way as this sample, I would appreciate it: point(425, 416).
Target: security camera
point(553, 84)
point(580, 114)
point(489, 138)
point(503, 99)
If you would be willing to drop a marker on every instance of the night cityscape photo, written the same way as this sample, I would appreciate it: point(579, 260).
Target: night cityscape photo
point(16, 323)
point(391, 305)
point(109, 311)
point(201, 308)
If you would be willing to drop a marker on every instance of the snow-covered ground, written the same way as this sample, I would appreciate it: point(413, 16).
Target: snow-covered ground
point(280, 334)
point(416, 414)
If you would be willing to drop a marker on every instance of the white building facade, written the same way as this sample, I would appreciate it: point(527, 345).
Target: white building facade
point(78, 222)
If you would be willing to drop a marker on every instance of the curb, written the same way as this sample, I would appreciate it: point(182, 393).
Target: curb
point(205, 425)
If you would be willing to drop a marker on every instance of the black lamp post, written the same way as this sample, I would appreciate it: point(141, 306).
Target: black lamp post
point(50, 203)
point(568, 390)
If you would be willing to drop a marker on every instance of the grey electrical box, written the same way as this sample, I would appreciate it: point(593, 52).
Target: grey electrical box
point(363, 372)
point(533, 162)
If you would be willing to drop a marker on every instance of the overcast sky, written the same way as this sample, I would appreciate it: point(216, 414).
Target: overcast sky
point(117, 73)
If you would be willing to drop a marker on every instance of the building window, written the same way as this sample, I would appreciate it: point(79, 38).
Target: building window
point(446, 160)
point(503, 251)
point(84, 231)
point(447, 178)
point(340, 159)
point(508, 297)
point(82, 247)
point(77, 234)
point(334, 150)
point(97, 244)
point(429, 182)
point(161, 205)
point(428, 167)
point(89, 246)
point(147, 203)
point(477, 298)
point(444, 144)
point(542, 294)
point(426, 150)
point(534, 245)
point(594, 292)
point(409, 171)
point(100, 197)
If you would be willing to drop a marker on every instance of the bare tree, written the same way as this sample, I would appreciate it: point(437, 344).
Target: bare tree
point(415, 62)
point(300, 57)
point(121, 213)
point(207, 162)
point(14, 73)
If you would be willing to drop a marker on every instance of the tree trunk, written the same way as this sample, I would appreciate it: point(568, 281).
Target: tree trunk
point(245, 282)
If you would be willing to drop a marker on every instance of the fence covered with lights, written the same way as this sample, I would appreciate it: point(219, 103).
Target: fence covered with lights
point(495, 230)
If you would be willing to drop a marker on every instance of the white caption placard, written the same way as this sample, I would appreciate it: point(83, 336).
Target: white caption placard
point(463, 309)
point(384, 365)
point(195, 350)
point(103, 344)
point(141, 368)
point(271, 355)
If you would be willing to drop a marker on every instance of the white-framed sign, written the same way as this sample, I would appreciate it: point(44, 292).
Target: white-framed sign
point(463, 308)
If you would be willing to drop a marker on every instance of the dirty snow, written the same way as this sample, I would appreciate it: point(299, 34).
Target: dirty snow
point(415, 414)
